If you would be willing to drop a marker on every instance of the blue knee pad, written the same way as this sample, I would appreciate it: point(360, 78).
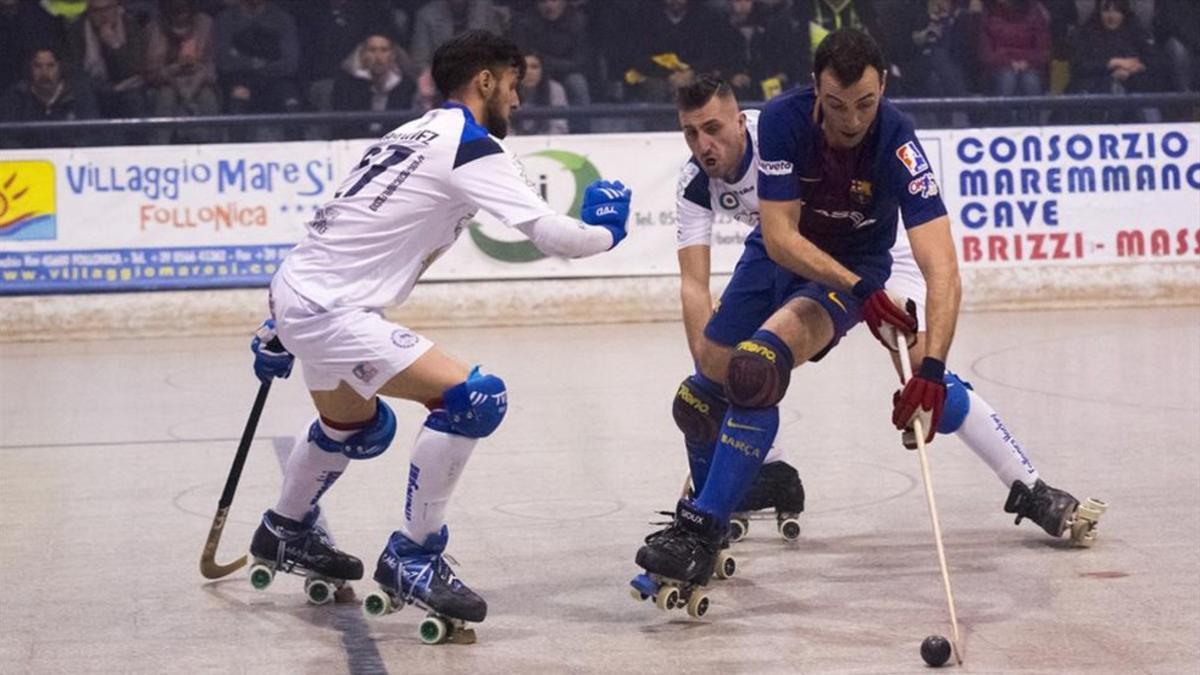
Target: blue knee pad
point(958, 404)
point(699, 409)
point(473, 408)
point(368, 442)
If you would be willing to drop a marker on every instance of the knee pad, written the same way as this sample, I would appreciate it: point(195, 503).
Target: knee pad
point(958, 404)
point(759, 371)
point(698, 411)
point(370, 441)
point(473, 408)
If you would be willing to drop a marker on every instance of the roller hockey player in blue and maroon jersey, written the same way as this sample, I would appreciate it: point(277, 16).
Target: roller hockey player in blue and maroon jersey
point(401, 208)
point(842, 162)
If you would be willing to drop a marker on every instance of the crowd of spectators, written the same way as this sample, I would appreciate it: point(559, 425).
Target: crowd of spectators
point(80, 59)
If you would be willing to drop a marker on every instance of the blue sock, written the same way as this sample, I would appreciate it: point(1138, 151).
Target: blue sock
point(746, 436)
point(700, 454)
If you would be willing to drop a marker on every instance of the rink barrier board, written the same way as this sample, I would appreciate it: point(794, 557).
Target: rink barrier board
point(1042, 217)
point(552, 301)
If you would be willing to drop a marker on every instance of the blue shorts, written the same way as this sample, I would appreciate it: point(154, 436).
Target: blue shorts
point(759, 287)
point(749, 299)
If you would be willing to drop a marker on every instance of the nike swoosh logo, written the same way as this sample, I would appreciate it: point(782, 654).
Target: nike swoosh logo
point(833, 296)
point(735, 425)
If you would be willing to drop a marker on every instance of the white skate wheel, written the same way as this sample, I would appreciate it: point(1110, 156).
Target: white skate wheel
point(726, 565)
point(667, 598)
point(697, 605)
point(637, 595)
point(318, 591)
point(261, 576)
point(433, 630)
point(790, 529)
point(738, 529)
point(376, 604)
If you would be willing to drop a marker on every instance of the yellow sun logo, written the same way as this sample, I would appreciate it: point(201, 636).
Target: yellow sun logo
point(27, 206)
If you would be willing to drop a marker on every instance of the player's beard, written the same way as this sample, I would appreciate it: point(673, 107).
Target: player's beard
point(497, 123)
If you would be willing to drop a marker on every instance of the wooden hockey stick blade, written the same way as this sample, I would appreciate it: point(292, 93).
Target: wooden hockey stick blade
point(208, 559)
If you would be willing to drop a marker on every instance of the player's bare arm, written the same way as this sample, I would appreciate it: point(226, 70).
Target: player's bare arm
point(789, 248)
point(933, 249)
point(695, 295)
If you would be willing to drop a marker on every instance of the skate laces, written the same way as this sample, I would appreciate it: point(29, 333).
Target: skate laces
point(1028, 503)
point(665, 526)
point(422, 570)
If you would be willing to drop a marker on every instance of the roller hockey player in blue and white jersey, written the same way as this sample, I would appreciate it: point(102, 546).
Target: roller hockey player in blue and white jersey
point(724, 177)
point(404, 205)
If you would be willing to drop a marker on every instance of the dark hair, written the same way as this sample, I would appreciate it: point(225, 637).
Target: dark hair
point(698, 92)
point(848, 52)
point(40, 47)
point(1122, 6)
point(458, 60)
point(379, 32)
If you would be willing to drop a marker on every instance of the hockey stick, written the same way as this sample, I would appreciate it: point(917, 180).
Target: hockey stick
point(906, 374)
point(208, 563)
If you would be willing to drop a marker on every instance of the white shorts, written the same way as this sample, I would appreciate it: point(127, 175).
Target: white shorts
point(907, 281)
point(353, 345)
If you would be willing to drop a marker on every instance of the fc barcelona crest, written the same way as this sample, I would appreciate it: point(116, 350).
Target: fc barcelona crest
point(860, 192)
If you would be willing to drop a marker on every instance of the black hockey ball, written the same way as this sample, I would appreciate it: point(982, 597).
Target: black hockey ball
point(935, 649)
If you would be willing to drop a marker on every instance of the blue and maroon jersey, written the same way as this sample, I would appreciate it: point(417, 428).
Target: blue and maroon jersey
point(852, 197)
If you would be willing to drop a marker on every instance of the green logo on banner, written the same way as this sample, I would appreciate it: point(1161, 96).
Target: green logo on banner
point(583, 171)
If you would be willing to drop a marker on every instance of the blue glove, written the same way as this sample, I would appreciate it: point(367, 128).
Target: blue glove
point(607, 205)
point(271, 360)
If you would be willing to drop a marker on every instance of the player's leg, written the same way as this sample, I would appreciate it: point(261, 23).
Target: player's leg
point(700, 403)
point(465, 405)
point(699, 408)
point(976, 423)
point(757, 379)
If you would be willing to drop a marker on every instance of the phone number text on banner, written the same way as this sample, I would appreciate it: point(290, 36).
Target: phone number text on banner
point(85, 271)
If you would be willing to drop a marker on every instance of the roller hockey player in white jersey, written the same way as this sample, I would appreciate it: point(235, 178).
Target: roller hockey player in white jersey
point(721, 179)
point(403, 206)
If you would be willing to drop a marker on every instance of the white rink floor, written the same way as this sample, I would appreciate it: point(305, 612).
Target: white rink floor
point(113, 454)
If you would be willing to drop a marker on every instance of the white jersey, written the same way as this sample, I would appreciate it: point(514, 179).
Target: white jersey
point(700, 198)
point(404, 205)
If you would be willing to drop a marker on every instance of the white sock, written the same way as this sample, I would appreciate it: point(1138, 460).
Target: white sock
point(775, 454)
point(984, 432)
point(437, 462)
point(309, 473)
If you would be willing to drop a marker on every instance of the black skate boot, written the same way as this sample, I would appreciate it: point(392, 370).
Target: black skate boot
point(281, 544)
point(724, 566)
point(680, 560)
point(418, 574)
point(777, 486)
point(1051, 508)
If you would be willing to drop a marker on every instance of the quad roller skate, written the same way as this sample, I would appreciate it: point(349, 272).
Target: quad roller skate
point(1056, 511)
point(725, 565)
point(777, 486)
point(412, 574)
point(679, 561)
point(281, 544)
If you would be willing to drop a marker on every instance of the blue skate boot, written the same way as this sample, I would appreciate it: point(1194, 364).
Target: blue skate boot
point(281, 544)
point(778, 487)
point(680, 559)
point(412, 574)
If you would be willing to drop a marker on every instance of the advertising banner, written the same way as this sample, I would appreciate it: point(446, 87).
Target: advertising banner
point(212, 216)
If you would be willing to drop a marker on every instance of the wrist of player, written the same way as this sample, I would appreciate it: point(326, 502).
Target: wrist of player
point(932, 369)
point(618, 233)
